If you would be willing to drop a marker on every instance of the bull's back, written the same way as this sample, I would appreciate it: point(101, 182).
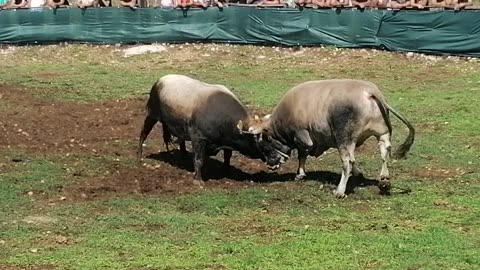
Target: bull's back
point(310, 102)
point(313, 105)
point(179, 97)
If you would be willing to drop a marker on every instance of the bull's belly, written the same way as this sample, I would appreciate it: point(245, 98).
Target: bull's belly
point(177, 128)
point(322, 141)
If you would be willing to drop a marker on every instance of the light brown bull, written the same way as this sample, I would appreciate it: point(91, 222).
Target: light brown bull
point(317, 115)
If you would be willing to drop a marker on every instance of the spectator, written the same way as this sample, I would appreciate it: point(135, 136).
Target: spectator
point(459, 4)
point(303, 2)
point(168, 3)
point(194, 3)
point(198, 3)
point(321, 3)
point(439, 3)
point(339, 3)
point(36, 3)
point(361, 3)
point(183, 3)
point(219, 3)
point(87, 3)
point(380, 3)
point(57, 3)
point(18, 4)
point(105, 3)
point(271, 3)
point(420, 4)
point(129, 3)
point(399, 4)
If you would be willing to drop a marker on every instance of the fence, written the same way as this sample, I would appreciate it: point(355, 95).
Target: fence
point(443, 31)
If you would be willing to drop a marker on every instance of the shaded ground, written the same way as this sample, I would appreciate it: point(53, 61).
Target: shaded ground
point(109, 128)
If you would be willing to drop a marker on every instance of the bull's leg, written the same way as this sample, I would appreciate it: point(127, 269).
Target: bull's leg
point(348, 161)
point(227, 155)
point(356, 170)
point(199, 157)
point(147, 127)
point(302, 158)
point(385, 150)
point(183, 147)
point(167, 136)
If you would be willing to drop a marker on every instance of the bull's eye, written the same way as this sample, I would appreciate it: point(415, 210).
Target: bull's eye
point(250, 129)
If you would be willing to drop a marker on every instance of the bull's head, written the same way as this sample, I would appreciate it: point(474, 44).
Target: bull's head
point(275, 152)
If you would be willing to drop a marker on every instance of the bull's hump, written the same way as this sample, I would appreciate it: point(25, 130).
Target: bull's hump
point(188, 94)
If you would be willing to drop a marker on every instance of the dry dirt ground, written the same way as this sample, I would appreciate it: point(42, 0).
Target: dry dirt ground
point(70, 132)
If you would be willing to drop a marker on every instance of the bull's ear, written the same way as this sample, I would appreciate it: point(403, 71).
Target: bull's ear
point(266, 117)
point(240, 125)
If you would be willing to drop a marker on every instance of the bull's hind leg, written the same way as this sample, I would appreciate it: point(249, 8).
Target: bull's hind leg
point(146, 129)
point(348, 161)
point(199, 157)
point(385, 150)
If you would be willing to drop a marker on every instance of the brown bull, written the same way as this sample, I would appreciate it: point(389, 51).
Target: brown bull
point(205, 114)
point(317, 115)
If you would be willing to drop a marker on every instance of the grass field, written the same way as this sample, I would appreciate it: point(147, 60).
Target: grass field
point(72, 197)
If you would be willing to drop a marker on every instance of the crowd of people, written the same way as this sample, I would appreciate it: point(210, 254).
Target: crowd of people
point(394, 4)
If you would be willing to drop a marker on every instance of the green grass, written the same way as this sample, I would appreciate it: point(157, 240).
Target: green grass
point(263, 226)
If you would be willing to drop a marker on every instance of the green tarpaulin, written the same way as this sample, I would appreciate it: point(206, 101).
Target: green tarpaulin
point(443, 31)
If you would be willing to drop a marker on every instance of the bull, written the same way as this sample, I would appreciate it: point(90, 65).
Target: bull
point(318, 115)
point(205, 114)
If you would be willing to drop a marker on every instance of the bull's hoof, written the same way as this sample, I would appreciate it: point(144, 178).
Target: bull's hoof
point(385, 186)
point(199, 183)
point(339, 195)
point(299, 177)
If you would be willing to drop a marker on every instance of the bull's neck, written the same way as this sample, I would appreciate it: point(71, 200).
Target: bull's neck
point(281, 135)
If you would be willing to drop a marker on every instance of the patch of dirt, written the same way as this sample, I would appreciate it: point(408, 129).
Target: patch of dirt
point(61, 128)
point(439, 173)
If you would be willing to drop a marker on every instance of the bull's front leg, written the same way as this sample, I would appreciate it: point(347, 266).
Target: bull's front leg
point(302, 158)
point(227, 155)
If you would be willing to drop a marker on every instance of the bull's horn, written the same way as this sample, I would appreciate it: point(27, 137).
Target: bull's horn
point(256, 117)
point(240, 125)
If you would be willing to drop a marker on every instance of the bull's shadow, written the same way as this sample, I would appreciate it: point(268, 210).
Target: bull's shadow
point(214, 170)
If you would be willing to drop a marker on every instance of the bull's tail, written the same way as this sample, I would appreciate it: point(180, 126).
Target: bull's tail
point(153, 114)
point(153, 104)
point(405, 146)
